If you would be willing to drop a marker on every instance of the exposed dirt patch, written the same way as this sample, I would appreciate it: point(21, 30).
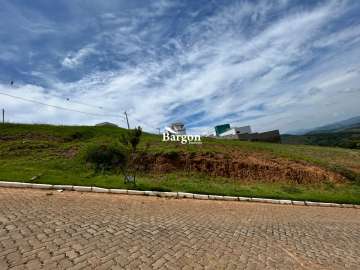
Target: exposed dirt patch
point(70, 152)
point(30, 137)
point(238, 165)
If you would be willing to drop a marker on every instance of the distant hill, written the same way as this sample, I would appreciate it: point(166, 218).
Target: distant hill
point(344, 134)
point(340, 126)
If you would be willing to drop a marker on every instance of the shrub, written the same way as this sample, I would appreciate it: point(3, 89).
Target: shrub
point(172, 155)
point(107, 156)
point(132, 138)
point(79, 135)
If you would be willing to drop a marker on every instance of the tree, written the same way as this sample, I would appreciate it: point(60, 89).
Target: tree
point(118, 155)
point(131, 140)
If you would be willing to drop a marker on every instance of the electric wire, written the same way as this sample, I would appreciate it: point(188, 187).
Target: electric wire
point(60, 107)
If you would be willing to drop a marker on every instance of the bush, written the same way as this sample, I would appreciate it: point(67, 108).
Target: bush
point(107, 156)
point(172, 155)
point(79, 135)
point(132, 138)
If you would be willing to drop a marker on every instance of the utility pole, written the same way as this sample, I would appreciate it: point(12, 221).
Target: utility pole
point(127, 120)
point(158, 130)
point(3, 115)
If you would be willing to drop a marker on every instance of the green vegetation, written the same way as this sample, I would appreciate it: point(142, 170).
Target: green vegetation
point(55, 154)
point(106, 156)
point(348, 139)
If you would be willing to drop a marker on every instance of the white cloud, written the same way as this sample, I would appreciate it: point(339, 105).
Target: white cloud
point(263, 75)
point(72, 60)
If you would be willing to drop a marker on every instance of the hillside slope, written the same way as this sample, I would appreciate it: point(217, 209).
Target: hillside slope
point(337, 126)
point(347, 138)
point(344, 134)
point(53, 154)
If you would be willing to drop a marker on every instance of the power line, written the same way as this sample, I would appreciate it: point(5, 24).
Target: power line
point(85, 104)
point(76, 102)
point(70, 100)
point(59, 107)
point(72, 110)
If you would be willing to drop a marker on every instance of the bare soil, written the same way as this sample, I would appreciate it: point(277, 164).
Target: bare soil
point(238, 165)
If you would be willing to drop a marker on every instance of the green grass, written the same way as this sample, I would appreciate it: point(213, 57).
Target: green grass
point(48, 152)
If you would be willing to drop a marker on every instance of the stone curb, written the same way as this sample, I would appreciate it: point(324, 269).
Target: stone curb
point(298, 203)
point(177, 195)
point(97, 189)
point(216, 197)
point(185, 195)
point(152, 193)
point(42, 186)
point(135, 192)
point(201, 197)
point(82, 188)
point(118, 191)
point(64, 187)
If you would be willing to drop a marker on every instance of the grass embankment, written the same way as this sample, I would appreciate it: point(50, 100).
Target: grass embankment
point(53, 154)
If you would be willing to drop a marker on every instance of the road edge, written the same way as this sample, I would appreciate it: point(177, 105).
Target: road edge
point(178, 195)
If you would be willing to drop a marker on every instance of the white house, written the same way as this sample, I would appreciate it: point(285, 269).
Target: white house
point(176, 128)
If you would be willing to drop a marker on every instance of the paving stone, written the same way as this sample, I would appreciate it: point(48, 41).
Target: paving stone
point(90, 230)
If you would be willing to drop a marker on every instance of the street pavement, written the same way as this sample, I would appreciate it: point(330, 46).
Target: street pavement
point(42, 229)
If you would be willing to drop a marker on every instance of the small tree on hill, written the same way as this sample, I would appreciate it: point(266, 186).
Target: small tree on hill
point(131, 140)
point(120, 155)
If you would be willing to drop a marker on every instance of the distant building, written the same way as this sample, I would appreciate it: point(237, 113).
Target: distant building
point(176, 128)
point(108, 124)
point(237, 130)
point(245, 134)
point(221, 129)
point(268, 136)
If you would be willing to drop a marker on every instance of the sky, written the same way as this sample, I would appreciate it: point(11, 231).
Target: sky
point(286, 65)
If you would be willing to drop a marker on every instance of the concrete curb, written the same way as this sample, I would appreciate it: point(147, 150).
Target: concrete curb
point(177, 195)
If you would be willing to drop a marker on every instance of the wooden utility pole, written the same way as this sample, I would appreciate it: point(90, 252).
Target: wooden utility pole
point(127, 120)
point(3, 116)
point(158, 130)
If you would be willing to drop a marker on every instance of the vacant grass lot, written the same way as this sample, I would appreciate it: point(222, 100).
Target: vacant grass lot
point(52, 154)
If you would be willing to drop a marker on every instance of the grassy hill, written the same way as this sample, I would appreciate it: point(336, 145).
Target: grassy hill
point(53, 154)
point(348, 138)
point(344, 134)
point(338, 126)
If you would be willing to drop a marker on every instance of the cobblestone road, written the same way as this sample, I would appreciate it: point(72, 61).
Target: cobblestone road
point(72, 230)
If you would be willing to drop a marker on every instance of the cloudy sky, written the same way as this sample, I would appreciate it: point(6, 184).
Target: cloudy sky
point(285, 65)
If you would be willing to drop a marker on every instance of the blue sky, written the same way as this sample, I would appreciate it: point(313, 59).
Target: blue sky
point(284, 65)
